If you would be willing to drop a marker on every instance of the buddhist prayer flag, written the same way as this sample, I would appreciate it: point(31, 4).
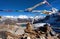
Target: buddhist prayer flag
point(11, 10)
point(1, 10)
point(48, 4)
point(16, 10)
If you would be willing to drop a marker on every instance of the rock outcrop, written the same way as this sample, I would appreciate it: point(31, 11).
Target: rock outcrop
point(44, 32)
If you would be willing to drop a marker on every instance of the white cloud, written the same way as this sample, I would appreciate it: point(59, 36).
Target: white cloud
point(31, 16)
point(9, 16)
point(37, 17)
point(54, 10)
point(22, 16)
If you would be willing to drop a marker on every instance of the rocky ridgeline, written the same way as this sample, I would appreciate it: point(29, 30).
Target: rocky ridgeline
point(44, 32)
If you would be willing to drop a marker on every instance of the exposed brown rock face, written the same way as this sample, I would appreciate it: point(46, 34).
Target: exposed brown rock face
point(29, 29)
point(3, 35)
point(30, 33)
point(45, 33)
point(58, 36)
point(12, 36)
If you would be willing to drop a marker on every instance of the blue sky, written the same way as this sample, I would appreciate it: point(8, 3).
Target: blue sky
point(23, 4)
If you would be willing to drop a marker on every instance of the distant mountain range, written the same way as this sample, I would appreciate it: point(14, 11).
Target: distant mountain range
point(53, 19)
point(19, 19)
point(15, 19)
